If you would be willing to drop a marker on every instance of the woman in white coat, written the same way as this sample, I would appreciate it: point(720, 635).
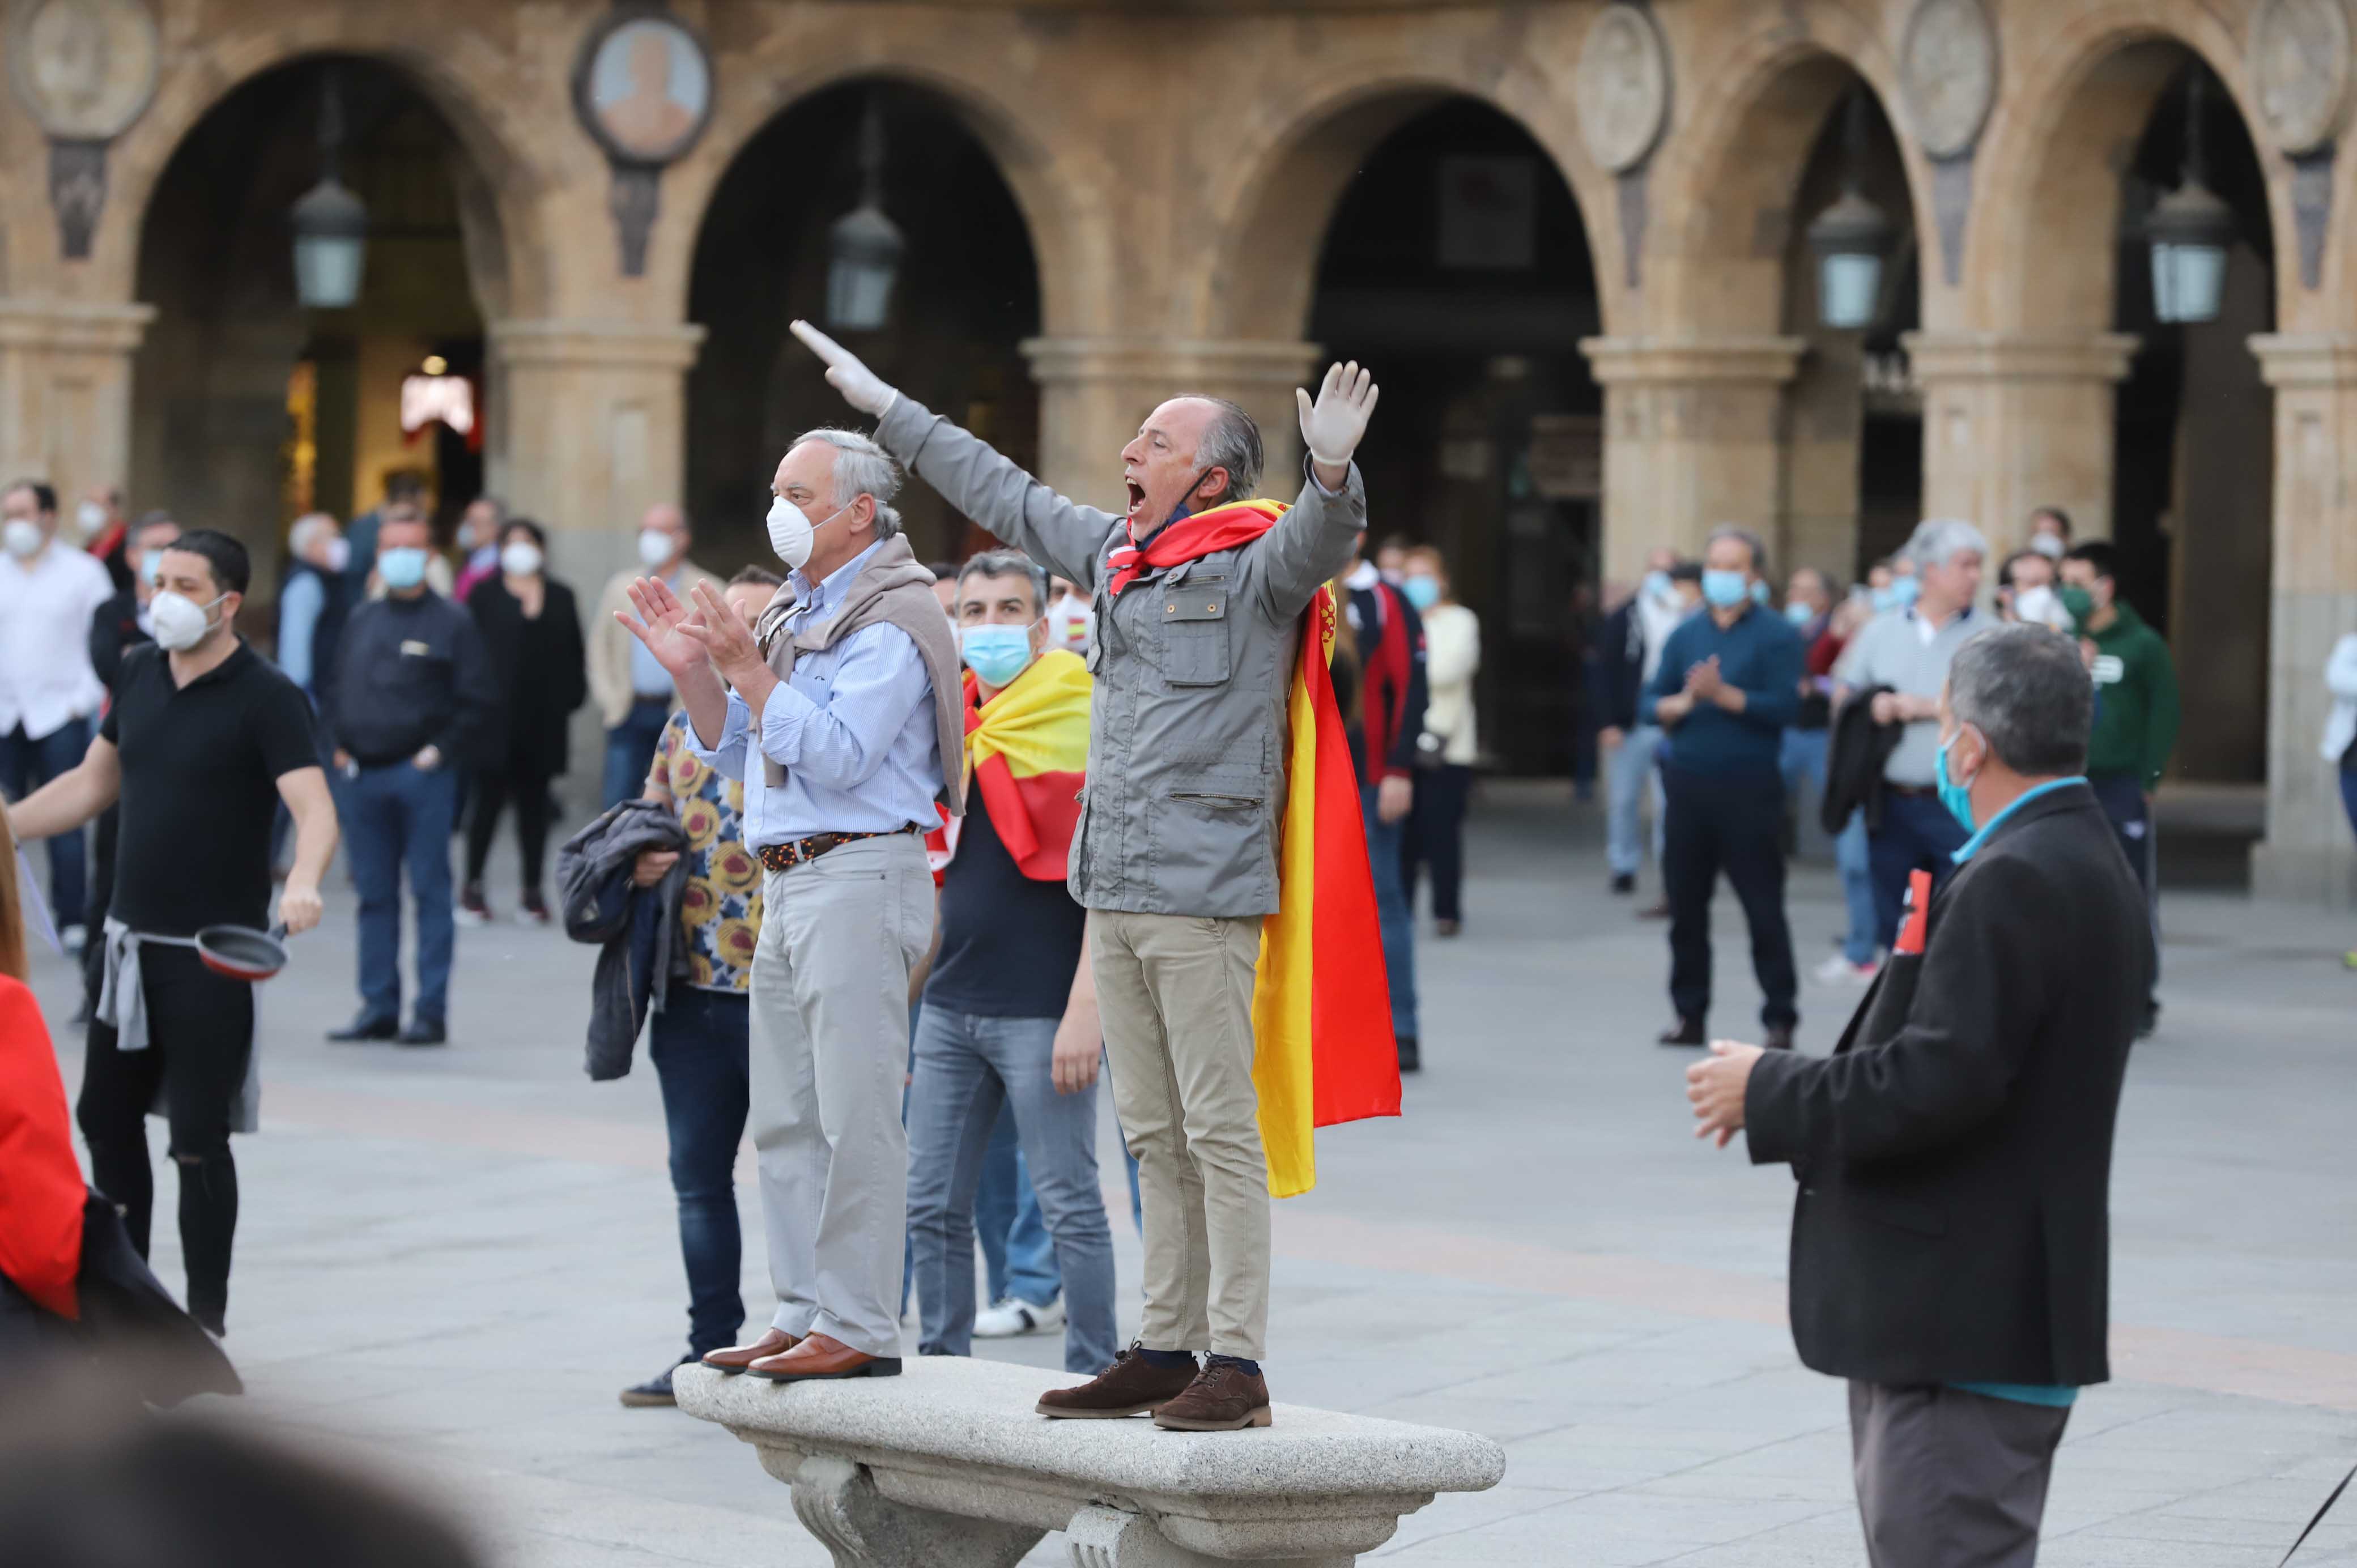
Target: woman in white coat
point(1452, 654)
point(2340, 746)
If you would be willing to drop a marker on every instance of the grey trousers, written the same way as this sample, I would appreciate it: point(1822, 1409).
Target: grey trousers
point(1948, 1478)
point(829, 1038)
point(1175, 994)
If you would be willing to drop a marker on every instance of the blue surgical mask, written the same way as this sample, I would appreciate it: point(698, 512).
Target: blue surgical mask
point(1723, 590)
point(1798, 614)
point(151, 565)
point(401, 569)
point(1760, 594)
point(1898, 595)
point(1423, 592)
point(1657, 586)
point(1957, 797)
point(996, 654)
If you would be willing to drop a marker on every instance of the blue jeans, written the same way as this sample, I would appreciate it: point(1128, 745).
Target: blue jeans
point(396, 819)
point(2349, 793)
point(27, 764)
point(1917, 832)
point(968, 1066)
point(1391, 908)
point(631, 750)
point(1850, 856)
point(697, 1044)
point(1018, 1256)
point(1627, 774)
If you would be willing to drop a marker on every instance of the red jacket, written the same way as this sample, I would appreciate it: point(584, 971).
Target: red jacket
point(41, 1195)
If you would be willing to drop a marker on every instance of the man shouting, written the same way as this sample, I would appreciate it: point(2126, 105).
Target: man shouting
point(1197, 610)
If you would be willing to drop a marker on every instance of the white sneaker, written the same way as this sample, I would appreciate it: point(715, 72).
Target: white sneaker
point(1012, 1318)
point(73, 938)
point(1839, 971)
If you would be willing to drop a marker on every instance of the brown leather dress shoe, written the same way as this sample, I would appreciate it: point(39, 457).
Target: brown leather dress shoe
point(820, 1356)
point(736, 1357)
point(1131, 1386)
point(1223, 1398)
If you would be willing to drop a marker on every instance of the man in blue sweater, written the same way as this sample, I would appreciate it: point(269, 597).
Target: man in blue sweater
point(1727, 685)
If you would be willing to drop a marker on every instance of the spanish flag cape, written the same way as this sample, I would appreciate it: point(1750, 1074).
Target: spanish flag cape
point(1027, 752)
point(1321, 1009)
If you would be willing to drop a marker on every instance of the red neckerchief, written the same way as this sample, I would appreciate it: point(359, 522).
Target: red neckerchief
point(1192, 538)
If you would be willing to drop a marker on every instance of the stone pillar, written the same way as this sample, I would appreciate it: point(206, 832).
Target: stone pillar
point(1693, 438)
point(588, 430)
point(1095, 392)
point(65, 390)
point(2307, 854)
point(2010, 424)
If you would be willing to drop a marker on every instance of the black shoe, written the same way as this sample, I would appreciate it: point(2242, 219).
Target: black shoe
point(1624, 882)
point(655, 1390)
point(1779, 1037)
point(425, 1032)
point(365, 1028)
point(1687, 1032)
point(1660, 911)
point(1408, 1060)
point(2151, 1021)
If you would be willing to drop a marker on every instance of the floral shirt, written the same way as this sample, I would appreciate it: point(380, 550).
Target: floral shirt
point(721, 909)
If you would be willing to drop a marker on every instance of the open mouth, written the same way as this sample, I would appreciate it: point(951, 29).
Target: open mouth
point(1136, 496)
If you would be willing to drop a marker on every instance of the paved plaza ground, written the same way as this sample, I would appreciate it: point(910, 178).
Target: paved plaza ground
point(449, 1261)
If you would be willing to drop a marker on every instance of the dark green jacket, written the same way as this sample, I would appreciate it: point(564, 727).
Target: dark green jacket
point(2136, 700)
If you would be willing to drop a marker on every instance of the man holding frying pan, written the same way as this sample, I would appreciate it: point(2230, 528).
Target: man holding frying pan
point(204, 740)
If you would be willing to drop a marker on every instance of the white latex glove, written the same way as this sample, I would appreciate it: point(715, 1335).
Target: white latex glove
point(1332, 426)
point(860, 387)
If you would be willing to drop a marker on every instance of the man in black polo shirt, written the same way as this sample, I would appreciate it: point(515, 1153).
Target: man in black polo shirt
point(204, 739)
point(411, 700)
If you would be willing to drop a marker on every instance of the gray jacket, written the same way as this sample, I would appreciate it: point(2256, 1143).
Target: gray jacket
point(1194, 667)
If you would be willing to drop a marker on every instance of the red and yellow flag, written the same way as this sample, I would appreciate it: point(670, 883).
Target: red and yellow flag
point(1027, 750)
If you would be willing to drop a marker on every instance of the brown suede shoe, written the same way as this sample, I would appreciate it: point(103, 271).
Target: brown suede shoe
point(1223, 1398)
point(736, 1357)
point(1131, 1386)
point(821, 1357)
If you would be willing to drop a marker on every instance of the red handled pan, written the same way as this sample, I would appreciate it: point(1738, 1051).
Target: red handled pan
point(241, 952)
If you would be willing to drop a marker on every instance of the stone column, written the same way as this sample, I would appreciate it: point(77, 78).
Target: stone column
point(589, 429)
point(2010, 424)
point(2307, 854)
point(1095, 392)
point(65, 390)
point(1693, 438)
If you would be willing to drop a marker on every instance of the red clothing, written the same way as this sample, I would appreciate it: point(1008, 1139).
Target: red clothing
point(1192, 538)
point(1825, 651)
point(40, 1186)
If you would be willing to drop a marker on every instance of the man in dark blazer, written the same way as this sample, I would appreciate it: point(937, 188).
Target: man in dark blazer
point(1951, 1238)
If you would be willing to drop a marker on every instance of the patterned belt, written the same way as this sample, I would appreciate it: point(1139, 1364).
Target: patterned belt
point(795, 852)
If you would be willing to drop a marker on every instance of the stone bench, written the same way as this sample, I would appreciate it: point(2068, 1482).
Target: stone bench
point(949, 1466)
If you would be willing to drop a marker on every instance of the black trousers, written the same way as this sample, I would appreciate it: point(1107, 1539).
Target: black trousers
point(526, 784)
point(2121, 797)
point(199, 1036)
point(1436, 837)
point(1735, 826)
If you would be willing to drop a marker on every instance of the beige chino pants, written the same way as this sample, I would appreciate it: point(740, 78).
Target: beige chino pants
point(1175, 996)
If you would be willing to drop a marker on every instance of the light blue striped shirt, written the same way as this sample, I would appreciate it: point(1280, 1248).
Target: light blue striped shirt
point(853, 729)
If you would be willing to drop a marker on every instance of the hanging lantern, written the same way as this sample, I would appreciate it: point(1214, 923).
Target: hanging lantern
point(863, 247)
point(330, 223)
point(1851, 239)
point(2191, 231)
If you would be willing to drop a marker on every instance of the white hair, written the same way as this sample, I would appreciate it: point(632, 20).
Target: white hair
point(305, 532)
point(1938, 541)
point(861, 468)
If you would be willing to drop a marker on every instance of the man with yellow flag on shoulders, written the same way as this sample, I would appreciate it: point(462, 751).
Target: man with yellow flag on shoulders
point(1219, 849)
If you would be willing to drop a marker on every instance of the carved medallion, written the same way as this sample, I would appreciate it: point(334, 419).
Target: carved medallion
point(1947, 72)
point(83, 68)
point(644, 86)
point(2299, 61)
point(1622, 87)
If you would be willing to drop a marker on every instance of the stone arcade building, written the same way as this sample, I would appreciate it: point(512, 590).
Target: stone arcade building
point(1573, 235)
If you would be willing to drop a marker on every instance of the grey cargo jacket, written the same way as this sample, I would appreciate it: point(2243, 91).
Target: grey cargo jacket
point(1194, 667)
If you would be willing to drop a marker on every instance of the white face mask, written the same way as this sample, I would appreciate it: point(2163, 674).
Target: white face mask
point(1068, 624)
point(179, 622)
point(792, 532)
point(339, 553)
point(2046, 544)
point(21, 537)
point(92, 515)
point(521, 559)
point(654, 547)
point(2039, 607)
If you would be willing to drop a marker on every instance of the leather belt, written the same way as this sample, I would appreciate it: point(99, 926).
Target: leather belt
point(795, 852)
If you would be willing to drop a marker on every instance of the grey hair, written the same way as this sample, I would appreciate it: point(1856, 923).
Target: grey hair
point(2023, 687)
point(499, 508)
point(1009, 564)
point(298, 538)
point(861, 468)
point(1232, 440)
point(1751, 542)
point(1937, 541)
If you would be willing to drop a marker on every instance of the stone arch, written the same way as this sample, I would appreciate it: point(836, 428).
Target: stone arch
point(1271, 209)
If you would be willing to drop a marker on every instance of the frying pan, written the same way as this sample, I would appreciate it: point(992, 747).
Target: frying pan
point(241, 952)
